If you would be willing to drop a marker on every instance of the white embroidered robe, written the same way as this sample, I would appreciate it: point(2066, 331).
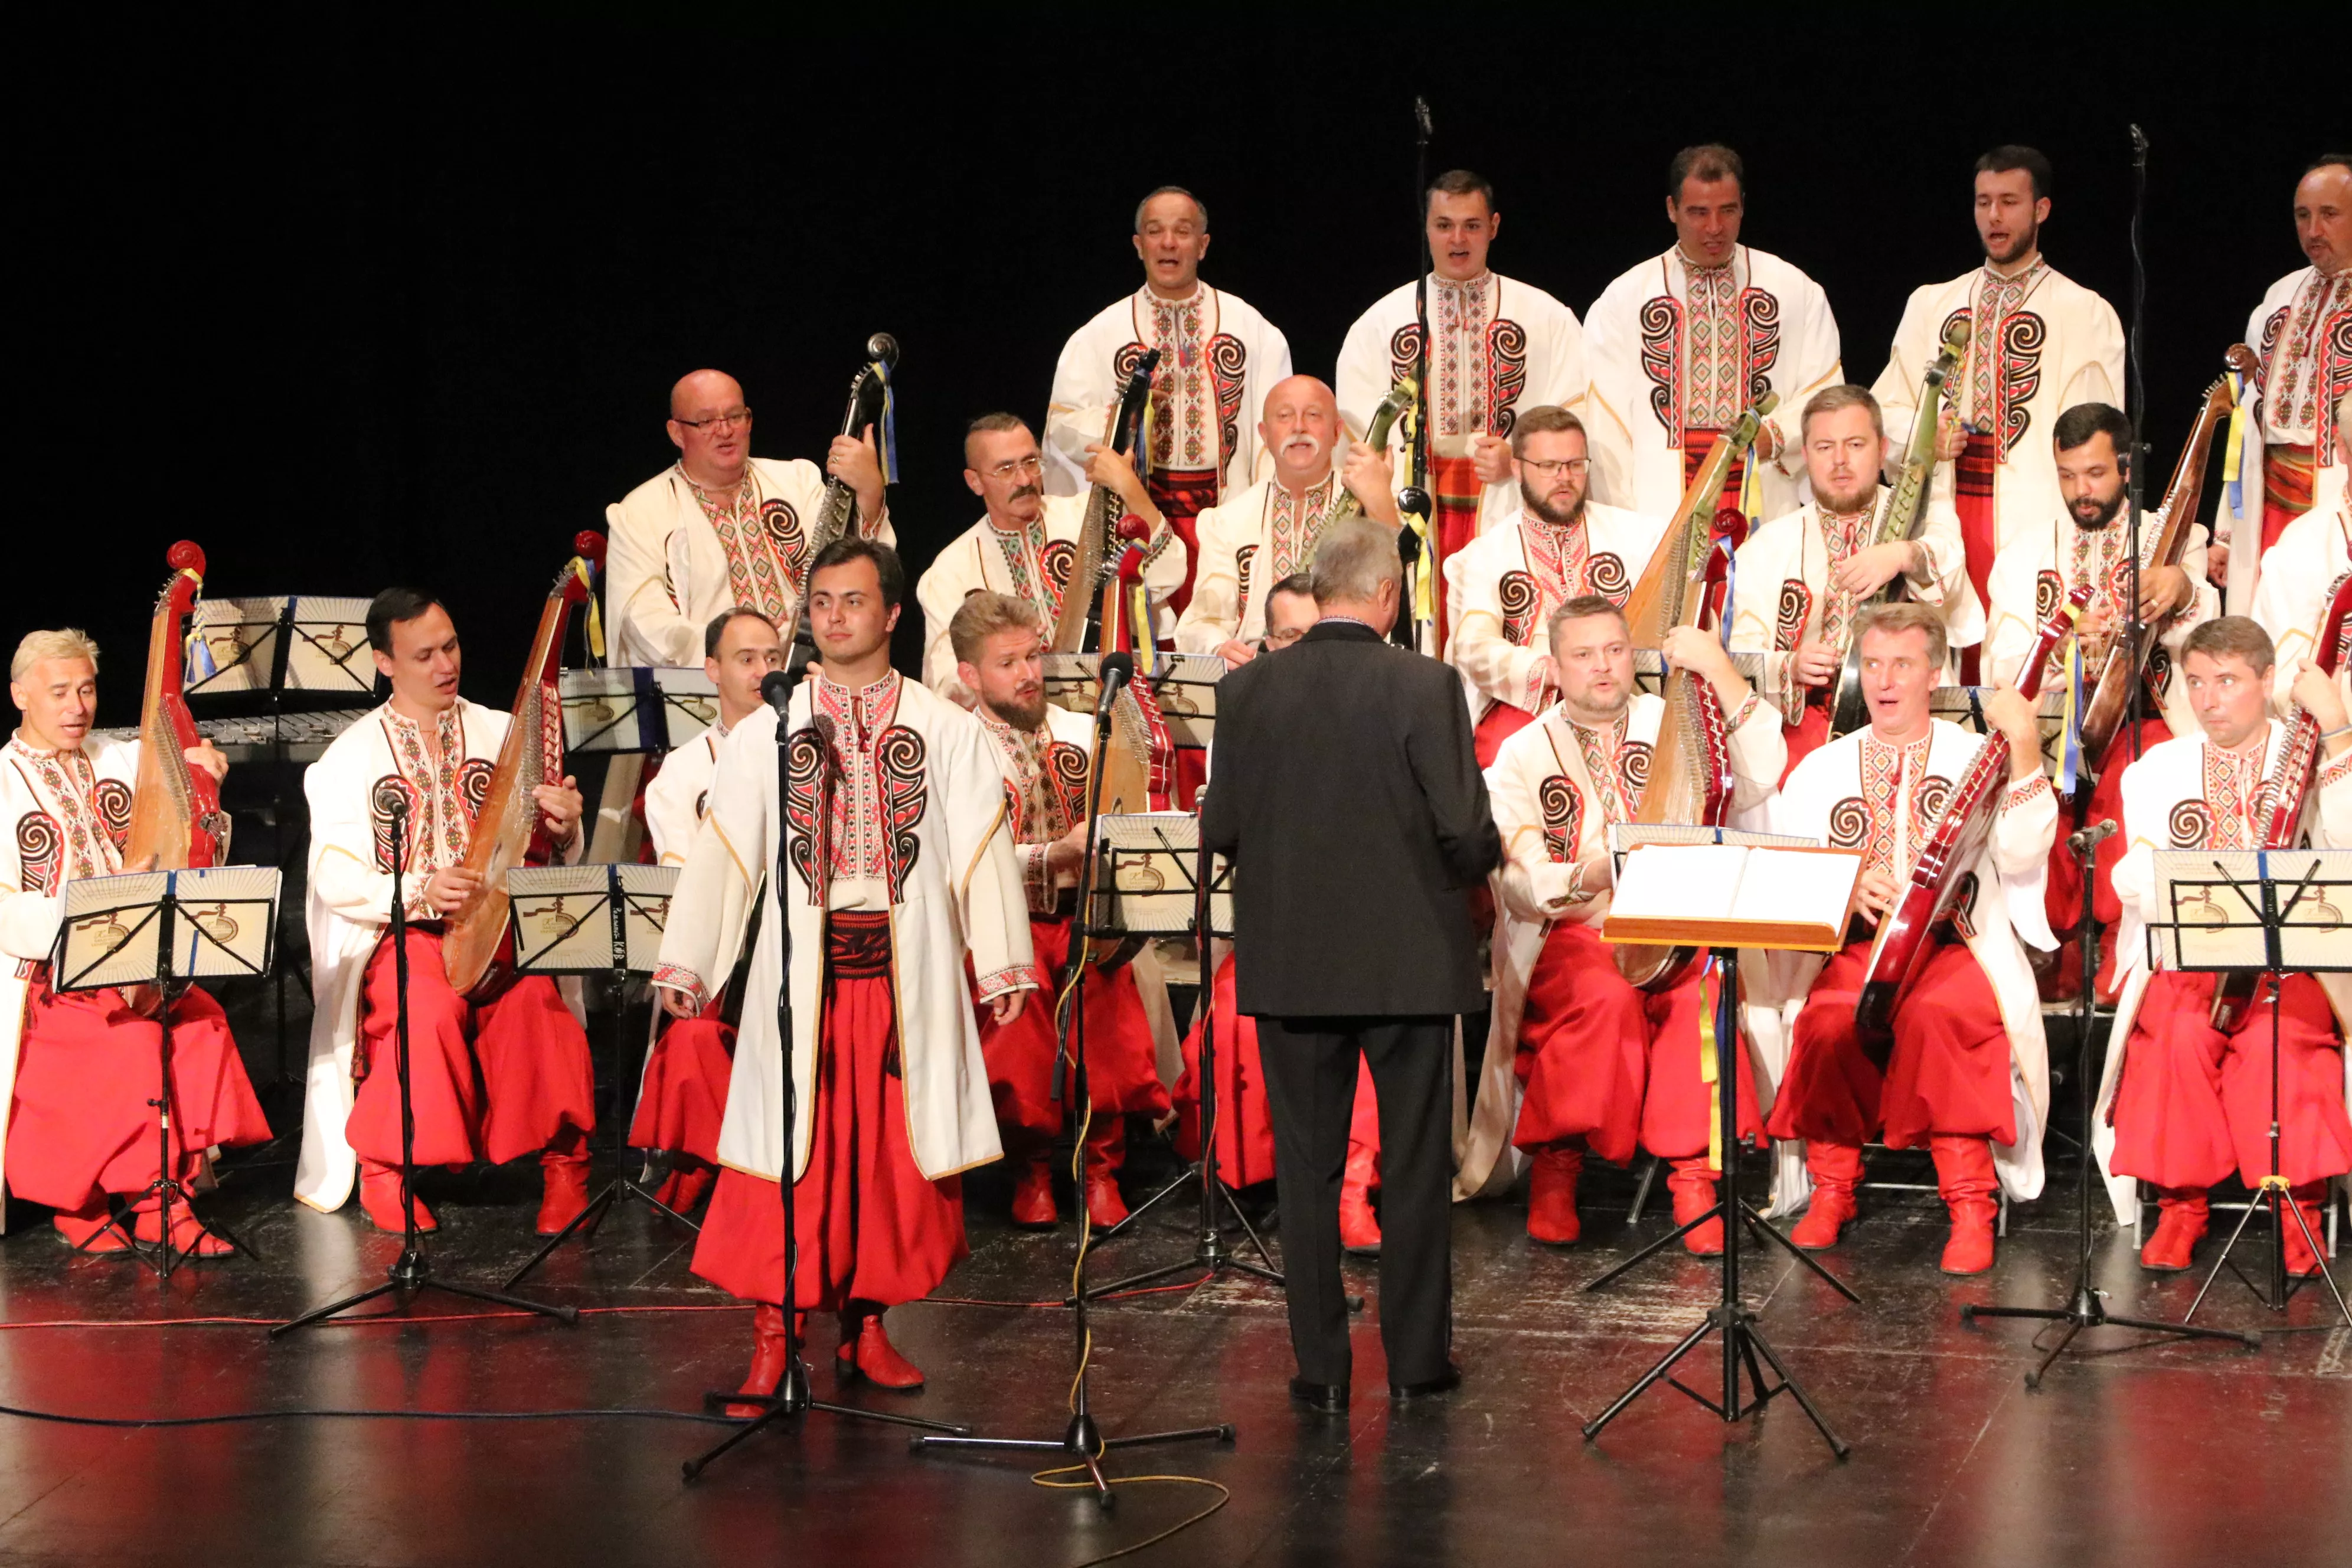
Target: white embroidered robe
point(1218, 360)
point(1504, 585)
point(2302, 331)
point(2299, 582)
point(1264, 534)
point(680, 793)
point(1555, 788)
point(669, 568)
point(2188, 794)
point(1827, 798)
point(917, 828)
point(1673, 348)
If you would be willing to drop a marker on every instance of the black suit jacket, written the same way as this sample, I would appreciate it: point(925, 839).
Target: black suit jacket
point(1346, 789)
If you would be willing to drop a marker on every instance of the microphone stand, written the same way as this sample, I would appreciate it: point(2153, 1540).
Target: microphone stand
point(1082, 1441)
point(2134, 480)
point(792, 1397)
point(413, 1270)
point(1415, 496)
point(2086, 1308)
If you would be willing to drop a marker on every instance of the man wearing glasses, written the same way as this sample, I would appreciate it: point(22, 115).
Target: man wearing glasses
point(1502, 587)
point(721, 529)
point(1025, 544)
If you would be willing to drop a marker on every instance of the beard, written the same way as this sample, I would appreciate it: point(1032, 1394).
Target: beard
point(1863, 498)
point(1558, 517)
point(1027, 716)
point(2021, 244)
point(2104, 512)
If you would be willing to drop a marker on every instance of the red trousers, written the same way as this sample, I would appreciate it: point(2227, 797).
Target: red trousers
point(2063, 893)
point(1612, 1066)
point(1810, 733)
point(1948, 1075)
point(490, 1081)
point(1973, 476)
point(869, 1226)
point(1183, 495)
point(2288, 476)
point(1503, 721)
point(80, 1126)
point(683, 1097)
point(1455, 491)
point(2194, 1104)
point(1122, 1075)
point(1245, 1122)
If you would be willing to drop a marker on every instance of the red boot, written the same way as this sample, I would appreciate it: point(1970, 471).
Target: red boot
point(89, 1230)
point(380, 1199)
point(1106, 1148)
point(767, 1373)
point(1836, 1170)
point(1359, 1228)
point(688, 1183)
point(1964, 1177)
point(563, 1172)
point(866, 1352)
point(1552, 1196)
point(1033, 1194)
point(189, 1237)
point(2181, 1219)
point(1693, 1186)
point(2301, 1261)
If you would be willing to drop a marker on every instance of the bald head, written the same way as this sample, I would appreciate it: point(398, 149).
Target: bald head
point(711, 428)
point(1301, 428)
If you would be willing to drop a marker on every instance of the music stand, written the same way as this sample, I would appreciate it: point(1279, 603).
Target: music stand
point(595, 919)
point(624, 714)
point(1178, 690)
point(1082, 1440)
point(1160, 879)
point(1742, 1342)
point(2280, 911)
point(155, 928)
point(311, 646)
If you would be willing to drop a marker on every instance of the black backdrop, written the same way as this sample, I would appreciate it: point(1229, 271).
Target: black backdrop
point(405, 304)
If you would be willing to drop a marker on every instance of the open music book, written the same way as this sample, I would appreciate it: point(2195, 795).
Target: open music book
point(1733, 895)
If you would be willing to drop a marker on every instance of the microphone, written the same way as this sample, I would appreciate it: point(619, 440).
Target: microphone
point(776, 690)
point(1118, 669)
point(2089, 839)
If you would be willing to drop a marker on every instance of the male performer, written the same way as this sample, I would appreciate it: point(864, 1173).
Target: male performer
point(1681, 343)
point(2304, 568)
point(2184, 1104)
point(1496, 346)
point(1268, 532)
point(489, 1081)
point(1967, 1063)
point(1026, 541)
point(683, 1092)
point(898, 861)
point(1504, 584)
point(2037, 571)
point(1045, 752)
point(81, 1066)
point(1346, 792)
point(1217, 359)
point(1799, 580)
point(719, 527)
point(2303, 330)
point(2038, 344)
point(1602, 1065)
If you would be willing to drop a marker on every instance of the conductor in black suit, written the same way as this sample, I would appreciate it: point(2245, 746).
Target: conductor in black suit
point(1346, 792)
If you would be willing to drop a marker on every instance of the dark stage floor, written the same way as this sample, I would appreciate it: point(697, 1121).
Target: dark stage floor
point(2168, 1454)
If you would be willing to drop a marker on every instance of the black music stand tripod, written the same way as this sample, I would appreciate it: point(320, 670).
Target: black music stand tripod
point(632, 895)
point(1082, 1441)
point(165, 913)
point(1731, 1319)
point(2086, 1308)
point(412, 1271)
point(792, 1397)
point(1216, 1200)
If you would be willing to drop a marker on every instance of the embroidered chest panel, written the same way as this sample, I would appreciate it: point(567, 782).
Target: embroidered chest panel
point(81, 825)
point(1035, 568)
point(766, 547)
point(2004, 360)
point(1560, 565)
point(1897, 807)
point(1478, 365)
point(2307, 351)
point(443, 790)
point(865, 793)
point(1707, 358)
point(2235, 799)
point(1196, 388)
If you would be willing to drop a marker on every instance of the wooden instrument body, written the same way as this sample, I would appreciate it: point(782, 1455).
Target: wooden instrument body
point(476, 946)
point(1657, 603)
point(2109, 701)
point(838, 513)
point(1385, 414)
point(176, 820)
point(1904, 512)
point(1943, 873)
point(2284, 791)
point(1096, 555)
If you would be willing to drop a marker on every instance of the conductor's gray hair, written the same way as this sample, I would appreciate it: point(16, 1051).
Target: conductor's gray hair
point(1354, 557)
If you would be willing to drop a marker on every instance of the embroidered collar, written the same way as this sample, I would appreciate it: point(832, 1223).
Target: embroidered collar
point(17, 744)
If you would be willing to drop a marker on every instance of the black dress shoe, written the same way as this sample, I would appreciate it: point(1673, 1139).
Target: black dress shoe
point(1445, 1381)
point(1330, 1398)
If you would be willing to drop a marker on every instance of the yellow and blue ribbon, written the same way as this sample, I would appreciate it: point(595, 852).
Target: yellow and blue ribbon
point(889, 453)
point(1710, 1071)
point(587, 576)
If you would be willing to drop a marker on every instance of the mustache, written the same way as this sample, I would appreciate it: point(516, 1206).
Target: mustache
point(1025, 492)
point(1306, 438)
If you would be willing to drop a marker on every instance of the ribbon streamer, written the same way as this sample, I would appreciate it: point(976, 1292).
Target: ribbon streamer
point(2070, 754)
point(1709, 1071)
point(2233, 447)
point(587, 576)
point(889, 424)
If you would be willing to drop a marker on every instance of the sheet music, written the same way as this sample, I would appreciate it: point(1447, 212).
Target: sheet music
point(1733, 881)
point(1778, 885)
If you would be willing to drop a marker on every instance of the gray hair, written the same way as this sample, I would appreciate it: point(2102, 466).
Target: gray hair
point(1353, 558)
point(66, 642)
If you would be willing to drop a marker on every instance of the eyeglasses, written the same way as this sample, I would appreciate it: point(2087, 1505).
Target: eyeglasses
point(732, 416)
point(1031, 464)
point(1545, 470)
